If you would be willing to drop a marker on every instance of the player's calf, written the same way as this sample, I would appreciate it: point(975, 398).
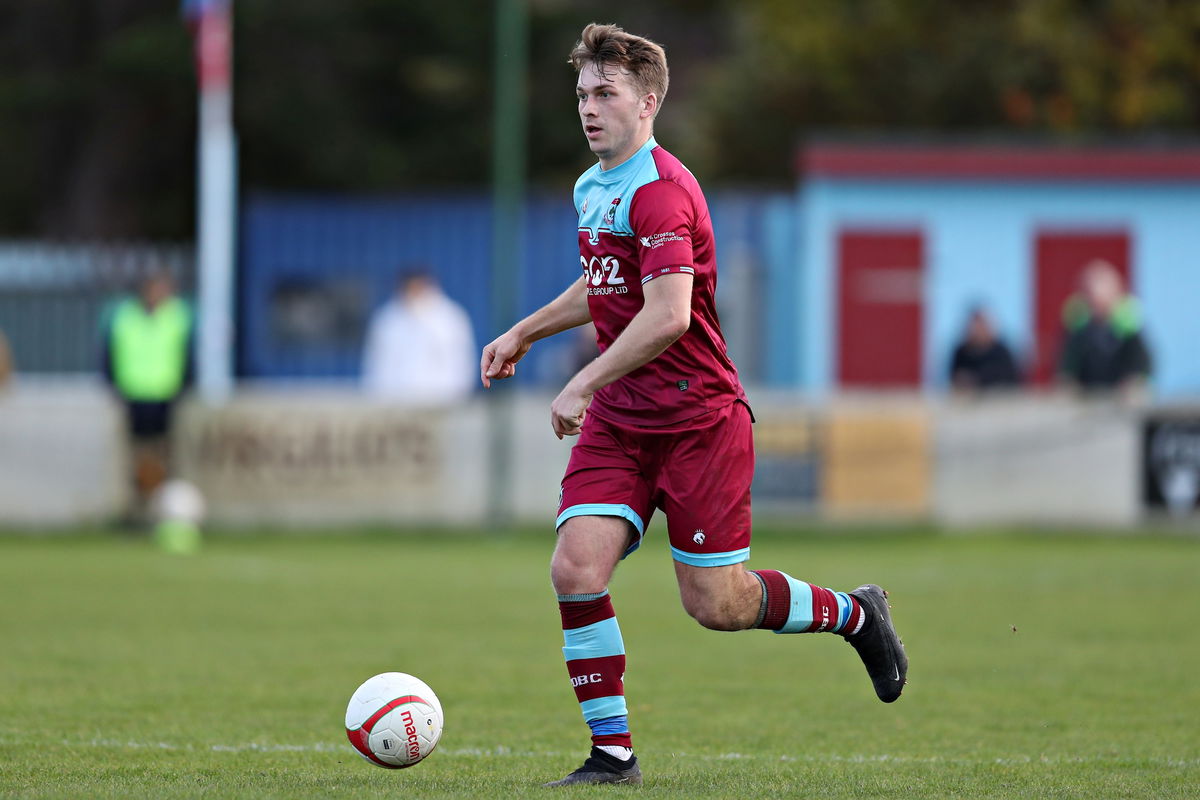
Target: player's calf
point(724, 598)
point(595, 655)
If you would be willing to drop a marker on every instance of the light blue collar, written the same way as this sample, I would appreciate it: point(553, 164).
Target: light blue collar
point(628, 166)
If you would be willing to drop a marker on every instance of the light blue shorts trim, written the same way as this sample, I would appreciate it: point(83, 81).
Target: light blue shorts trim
point(606, 510)
point(711, 559)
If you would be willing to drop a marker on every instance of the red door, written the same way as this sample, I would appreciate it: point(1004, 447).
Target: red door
point(881, 288)
point(1059, 259)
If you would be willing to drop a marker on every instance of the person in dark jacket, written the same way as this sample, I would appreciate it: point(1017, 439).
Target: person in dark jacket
point(982, 360)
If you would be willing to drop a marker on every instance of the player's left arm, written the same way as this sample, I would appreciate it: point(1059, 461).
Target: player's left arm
point(665, 316)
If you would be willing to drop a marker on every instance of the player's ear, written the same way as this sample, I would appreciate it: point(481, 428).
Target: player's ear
point(649, 105)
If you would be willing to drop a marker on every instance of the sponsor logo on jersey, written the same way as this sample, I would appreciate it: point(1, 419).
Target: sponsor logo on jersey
point(657, 240)
point(603, 274)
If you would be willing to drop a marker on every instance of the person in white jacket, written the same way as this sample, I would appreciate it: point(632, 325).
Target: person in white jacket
point(420, 348)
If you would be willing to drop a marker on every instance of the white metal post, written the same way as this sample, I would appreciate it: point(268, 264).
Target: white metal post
point(216, 200)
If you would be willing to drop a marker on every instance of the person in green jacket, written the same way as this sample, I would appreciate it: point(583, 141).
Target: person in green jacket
point(148, 361)
point(1104, 346)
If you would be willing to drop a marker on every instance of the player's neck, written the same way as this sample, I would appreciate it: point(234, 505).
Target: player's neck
point(607, 164)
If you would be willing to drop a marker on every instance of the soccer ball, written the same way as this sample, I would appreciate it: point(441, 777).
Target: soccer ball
point(179, 510)
point(394, 720)
point(179, 501)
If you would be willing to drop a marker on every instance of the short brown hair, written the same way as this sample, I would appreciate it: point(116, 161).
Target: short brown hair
point(610, 46)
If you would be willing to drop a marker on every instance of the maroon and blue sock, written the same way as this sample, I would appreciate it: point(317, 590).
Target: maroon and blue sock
point(595, 655)
point(792, 606)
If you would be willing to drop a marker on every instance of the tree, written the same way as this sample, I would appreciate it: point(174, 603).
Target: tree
point(97, 100)
point(96, 114)
point(1054, 68)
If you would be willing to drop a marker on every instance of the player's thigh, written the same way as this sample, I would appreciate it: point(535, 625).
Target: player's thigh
point(605, 479)
point(587, 552)
point(704, 484)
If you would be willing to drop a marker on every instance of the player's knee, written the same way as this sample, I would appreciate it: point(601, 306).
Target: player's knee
point(575, 576)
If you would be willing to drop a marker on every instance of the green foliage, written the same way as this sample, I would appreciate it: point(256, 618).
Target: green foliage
point(1055, 68)
point(97, 101)
point(1049, 666)
point(372, 95)
point(96, 119)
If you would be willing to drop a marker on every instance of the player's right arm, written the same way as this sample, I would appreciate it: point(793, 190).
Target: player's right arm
point(568, 310)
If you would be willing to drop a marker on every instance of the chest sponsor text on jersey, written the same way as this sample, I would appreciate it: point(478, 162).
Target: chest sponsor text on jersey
point(603, 274)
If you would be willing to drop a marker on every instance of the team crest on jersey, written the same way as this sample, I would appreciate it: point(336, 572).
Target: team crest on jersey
point(610, 216)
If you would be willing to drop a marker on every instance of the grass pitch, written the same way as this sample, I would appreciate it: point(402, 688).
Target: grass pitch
point(1042, 666)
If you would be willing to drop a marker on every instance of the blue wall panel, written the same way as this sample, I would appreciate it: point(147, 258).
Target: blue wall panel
point(345, 254)
point(312, 269)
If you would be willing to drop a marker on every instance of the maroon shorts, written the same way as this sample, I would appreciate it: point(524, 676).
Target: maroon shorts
point(698, 473)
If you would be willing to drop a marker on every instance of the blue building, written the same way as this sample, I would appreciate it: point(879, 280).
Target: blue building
point(897, 242)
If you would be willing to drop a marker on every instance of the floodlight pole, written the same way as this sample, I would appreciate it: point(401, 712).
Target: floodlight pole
point(216, 198)
point(508, 217)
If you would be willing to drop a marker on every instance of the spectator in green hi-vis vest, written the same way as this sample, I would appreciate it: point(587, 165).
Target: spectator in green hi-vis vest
point(1104, 345)
point(148, 360)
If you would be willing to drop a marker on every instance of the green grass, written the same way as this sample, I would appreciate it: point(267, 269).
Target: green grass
point(1042, 667)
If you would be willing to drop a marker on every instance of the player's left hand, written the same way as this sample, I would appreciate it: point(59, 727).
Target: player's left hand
point(568, 410)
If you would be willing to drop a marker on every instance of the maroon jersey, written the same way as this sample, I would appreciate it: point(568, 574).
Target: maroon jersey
point(638, 221)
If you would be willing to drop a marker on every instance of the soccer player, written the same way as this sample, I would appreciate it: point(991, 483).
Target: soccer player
point(661, 415)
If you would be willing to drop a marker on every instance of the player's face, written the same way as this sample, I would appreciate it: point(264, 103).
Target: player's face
point(616, 117)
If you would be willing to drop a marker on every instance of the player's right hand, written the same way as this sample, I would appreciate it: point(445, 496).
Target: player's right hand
point(500, 358)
